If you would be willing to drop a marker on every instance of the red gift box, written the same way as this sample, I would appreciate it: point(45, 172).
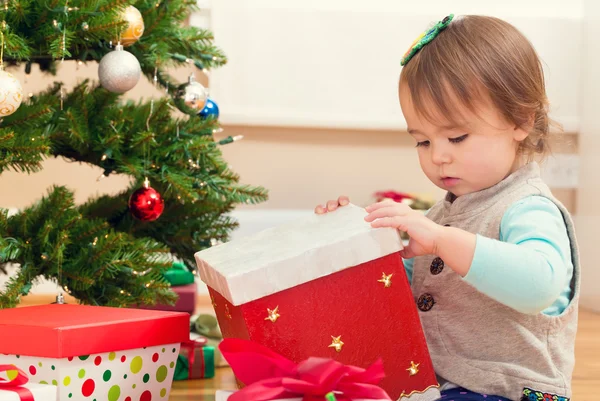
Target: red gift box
point(327, 286)
point(186, 301)
point(94, 352)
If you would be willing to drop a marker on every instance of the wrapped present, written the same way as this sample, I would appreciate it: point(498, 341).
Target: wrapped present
point(269, 376)
point(92, 352)
point(326, 286)
point(16, 387)
point(179, 274)
point(186, 301)
point(206, 326)
point(196, 360)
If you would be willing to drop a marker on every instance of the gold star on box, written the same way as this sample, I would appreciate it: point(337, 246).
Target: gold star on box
point(337, 343)
point(212, 301)
point(227, 313)
point(386, 280)
point(273, 314)
point(414, 368)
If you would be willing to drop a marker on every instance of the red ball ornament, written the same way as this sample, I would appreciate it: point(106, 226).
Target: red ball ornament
point(146, 204)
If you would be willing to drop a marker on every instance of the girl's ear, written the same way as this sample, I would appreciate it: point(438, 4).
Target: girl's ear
point(522, 132)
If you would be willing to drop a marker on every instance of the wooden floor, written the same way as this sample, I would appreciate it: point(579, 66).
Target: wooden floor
point(586, 378)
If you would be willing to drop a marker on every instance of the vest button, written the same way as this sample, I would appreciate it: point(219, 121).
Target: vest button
point(436, 266)
point(425, 302)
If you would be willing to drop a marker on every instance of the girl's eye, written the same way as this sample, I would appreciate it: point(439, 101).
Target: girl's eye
point(424, 143)
point(458, 139)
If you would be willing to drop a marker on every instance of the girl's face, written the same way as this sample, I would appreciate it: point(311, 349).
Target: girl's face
point(477, 155)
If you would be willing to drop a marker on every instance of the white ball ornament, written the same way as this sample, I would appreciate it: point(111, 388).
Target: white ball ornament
point(119, 70)
point(11, 93)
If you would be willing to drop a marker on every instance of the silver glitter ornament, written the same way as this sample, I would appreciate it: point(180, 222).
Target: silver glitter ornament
point(119, 70)
point(194, 95)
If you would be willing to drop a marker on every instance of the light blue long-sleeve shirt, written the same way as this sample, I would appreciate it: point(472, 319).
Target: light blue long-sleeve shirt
point(530, 268)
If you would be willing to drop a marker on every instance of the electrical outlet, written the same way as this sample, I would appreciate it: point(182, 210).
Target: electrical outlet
point(561, 171)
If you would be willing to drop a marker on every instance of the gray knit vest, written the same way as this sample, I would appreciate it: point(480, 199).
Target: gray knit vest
point(477, 342)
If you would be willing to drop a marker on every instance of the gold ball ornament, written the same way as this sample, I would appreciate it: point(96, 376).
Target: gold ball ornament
point(135, 29)
point(11, 93)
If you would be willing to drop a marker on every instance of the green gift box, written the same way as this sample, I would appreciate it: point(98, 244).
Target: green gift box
point(178, 275)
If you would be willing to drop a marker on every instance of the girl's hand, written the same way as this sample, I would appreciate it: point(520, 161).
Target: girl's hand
point(331, 205)
point(424, 233)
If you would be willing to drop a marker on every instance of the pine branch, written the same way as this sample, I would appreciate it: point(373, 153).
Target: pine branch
point(98, 251)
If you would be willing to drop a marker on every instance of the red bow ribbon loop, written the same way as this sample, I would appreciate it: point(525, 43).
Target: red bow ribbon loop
point(15, 383)
point(270, 376)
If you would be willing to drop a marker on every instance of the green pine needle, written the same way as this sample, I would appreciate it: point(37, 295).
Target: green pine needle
point(97, 250)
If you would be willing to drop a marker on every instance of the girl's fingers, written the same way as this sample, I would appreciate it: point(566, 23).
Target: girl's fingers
point(332, 205)
point(320, 209)
point(379, 205)
point(386, 211)
point(391, 221)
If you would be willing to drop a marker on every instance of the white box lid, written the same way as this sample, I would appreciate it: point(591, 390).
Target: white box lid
point(294, 253)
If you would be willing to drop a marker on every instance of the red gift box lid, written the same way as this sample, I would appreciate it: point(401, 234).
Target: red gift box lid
point(60, 331)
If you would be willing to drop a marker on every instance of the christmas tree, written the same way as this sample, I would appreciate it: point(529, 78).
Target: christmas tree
point(113, 250)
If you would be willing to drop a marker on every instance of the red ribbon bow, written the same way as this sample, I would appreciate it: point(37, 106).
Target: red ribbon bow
point(270, 376)
point(15, 385)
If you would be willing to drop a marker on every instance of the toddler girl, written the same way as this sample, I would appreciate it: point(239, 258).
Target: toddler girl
point(494, 266)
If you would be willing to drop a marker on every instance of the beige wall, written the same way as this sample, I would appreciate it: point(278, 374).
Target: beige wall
point(588, 220)
point(300, 167)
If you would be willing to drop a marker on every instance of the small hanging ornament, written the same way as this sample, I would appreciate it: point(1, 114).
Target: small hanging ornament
point(119, 70)
point(194, 95)
point(135, 29)
point(211, 109)
point(146, 204)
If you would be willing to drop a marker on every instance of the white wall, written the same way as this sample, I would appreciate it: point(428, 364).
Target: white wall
point(341, 72)
point(588, 210)
point(335, 63)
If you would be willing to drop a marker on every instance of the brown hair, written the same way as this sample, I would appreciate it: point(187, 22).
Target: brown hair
point(478, 55)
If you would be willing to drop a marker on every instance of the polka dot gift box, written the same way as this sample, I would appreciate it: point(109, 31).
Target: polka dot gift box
point(325, 286)
point(95, 353)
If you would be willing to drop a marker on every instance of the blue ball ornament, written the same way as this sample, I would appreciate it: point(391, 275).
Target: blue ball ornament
point(210, 110)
